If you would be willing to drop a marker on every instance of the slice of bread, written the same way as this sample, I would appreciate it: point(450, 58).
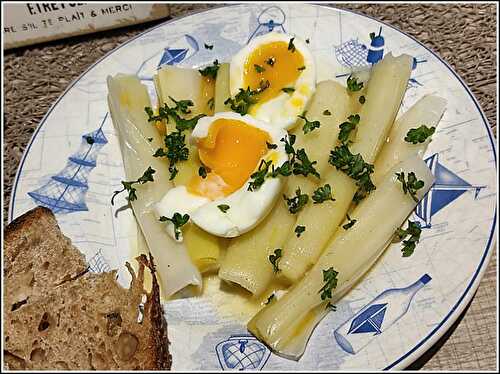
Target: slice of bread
point(58, 315)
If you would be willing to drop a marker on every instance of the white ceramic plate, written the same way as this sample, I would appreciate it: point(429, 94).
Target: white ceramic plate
point(76, 179)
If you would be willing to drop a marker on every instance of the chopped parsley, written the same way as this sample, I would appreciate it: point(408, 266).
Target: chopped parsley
point(223, 208)
point(307, 41)
point(301, 68)
point(330, 279)
point(355, 167)
point(296, 203)
point(331, 307)
point(288, 89)
point(304, 166)
point(271, 145)
point(167, 113)
point(202, 172)
point(176, 151)
point(309, 125)
point(258, 68)
point(210, 71)
point(178, 221)
point(362, 99)
point(322, 194)
point(271, 61)
point(285, 170)
point(299, 230)
point(274, 259)
point(353, 85)
point(147, 176)
point(347, 127)
point(349, 224)
point(291, 46)
point(182, 105)
point(208, 46)
point(258, 178)
point(414, 232)
point(244, 99)
point(211, 103)
point(411, 185)
point(289, 141)
point(150, 140)
point(420, 134)
point(270, 298)
point(326, 112)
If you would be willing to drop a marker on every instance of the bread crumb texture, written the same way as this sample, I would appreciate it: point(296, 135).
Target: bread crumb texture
point(58, 315)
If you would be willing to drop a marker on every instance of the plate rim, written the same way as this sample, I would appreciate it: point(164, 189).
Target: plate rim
point(457, 309)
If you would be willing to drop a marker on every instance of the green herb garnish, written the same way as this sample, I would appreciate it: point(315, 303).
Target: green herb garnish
point(258, 68)
point(349, 224)
point(347, 127)
point(301, 68)
point(271, 145)
point(326, 112)
point(274, 259)
point(414, 230)
point(304, 166)
point(362, 99)
point(355, 167)
point(285, 170)
point(178, 221)
point(307, 41)
point(211, 103)
point(296, 203)
point(288, 89)
point(223, 208)
point(269, 299)
point(211, 71)
point(202, 172)
point(330, 279)
point(420, 134)
point(411, 185)
point(322, 194)
point(353, 85)
point(150, 140)
point(289, 141)
point(258, 178)
point(243, 100)
point(291, 46)
point(330, 306)
point(147, 176)
point(309, 125)
point(270, 61)
point(299, 230)
point(208, 46)
point(176, 151)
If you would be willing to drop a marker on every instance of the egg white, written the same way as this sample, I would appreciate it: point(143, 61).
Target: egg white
point(246, 208)
point(282, 110)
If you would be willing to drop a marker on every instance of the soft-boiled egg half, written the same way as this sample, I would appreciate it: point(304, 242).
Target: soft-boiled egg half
point(231, 147)
point(287, 64)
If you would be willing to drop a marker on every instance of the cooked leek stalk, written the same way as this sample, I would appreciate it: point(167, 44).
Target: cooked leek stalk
point(286, 324)
point(222, 89)
point(126, 99)
point(426, 111)
point(247, 259)
point(384, 92)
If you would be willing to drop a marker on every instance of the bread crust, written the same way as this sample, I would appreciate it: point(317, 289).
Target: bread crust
point(149, 338)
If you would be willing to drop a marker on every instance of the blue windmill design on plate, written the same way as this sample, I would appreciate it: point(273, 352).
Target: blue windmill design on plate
point(356, 55)
point(180, 50)
point(270, 19)
point(65, 192)
point(242, 352)
point(447, 188)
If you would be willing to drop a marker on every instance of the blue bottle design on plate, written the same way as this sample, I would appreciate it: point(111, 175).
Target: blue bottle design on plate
point(180, 50)
point(270, 19)
point(377, 316)
point(242, 352)
point(65, 192)
point(447, 188)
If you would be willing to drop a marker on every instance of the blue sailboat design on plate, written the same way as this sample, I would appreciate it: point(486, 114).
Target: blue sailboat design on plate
point(447, 188)
point(270, 19)
point(242, 352)
point(65, 192)
point(377, 316)
point(180, 50)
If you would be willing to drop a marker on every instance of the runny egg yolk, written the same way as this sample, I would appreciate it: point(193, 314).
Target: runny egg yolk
point(275, 63)
point(231, 150)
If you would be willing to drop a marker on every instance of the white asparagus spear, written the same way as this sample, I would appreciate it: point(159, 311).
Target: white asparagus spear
point(127, 99)
point(385, 90)
point(286, 324)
